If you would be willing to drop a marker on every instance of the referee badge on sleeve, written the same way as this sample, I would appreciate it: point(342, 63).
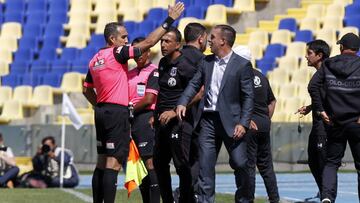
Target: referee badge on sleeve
point(173, 71)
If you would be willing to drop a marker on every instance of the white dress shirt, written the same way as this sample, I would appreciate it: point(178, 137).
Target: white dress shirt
point(217, 75)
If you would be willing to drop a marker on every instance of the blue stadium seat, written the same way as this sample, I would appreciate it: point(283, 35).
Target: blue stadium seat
point(39, 67)
point(196, 12)
point(266, 64)
point(353, 21)
point(15, 6)
point(80, 66)
point(24, 55)
point(36, 17)
point(274, 51)
point(58, 17)
point(203, 3)
point(60, 66)
point(87, 53)
point(52, 79)
point(186, 2)
point(11, 80)
point(14, 16)
point(145, 28)
point(20, 67)
point(131, 26)
point(54, 30)
point(303, 36)
point(288, 24)
point(37, 5)
point(47, 53)
point(352, 10)
point(29, 42)
point(51, 42)
point(32, 30)
point(58, 5)
point(227, 3)
point(157, 15)
point(98, 41)
point(70, 53)
point(30, 79)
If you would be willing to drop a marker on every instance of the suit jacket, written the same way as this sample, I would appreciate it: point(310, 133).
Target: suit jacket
point(236, 95)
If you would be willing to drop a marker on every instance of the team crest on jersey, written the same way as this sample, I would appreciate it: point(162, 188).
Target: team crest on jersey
point(257, 82)
point(172, 82)
point(99, 63)
point(173, 71)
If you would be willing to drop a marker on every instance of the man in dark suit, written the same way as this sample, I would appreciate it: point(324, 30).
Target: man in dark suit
point(227, 108)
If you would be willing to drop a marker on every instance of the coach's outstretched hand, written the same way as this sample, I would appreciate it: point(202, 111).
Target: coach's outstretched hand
point(176, 10)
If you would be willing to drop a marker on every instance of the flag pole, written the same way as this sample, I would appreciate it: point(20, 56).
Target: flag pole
point(62, 151)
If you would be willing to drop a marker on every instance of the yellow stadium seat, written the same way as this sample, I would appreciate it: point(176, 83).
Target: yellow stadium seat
point(268, 25)
point(9, 43)
point(315, 11)
point(281, 36)
point(333, 22)
point(12, 110)
point(302, 90)
point(4, 67)
point(289, 63)
point(301, 76)
point(104, 6)
point(11, 29)
point(280, 75)
point(242, 39)
point(335, 9)
point(43, 96)
point(280, 116)
point(292, 104)
point(80, 5)
point(335, 50)
point(297, 49)
point(5, 94)
point(256, 51)
point(328, 35)
point(184, 21)
point(23, 94)
point(241, 6)
point(348, 29)
point(259, 37)
point(106, 17)
point(72, 82)
point(124, 5)
point(133, 14)
point(312, 24)
point(163, 3)
point(5, 54)
point(80, 29)
point(215, 14)
point(77, 41)
point(79, 17)
point(344, 2)
point(288, 90)
point(297, 13)
point(145, 5)
point(275, 88)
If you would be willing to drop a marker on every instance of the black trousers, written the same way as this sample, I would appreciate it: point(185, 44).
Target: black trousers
point(336, 145)
point(317, 156)
point(259, 154)
point(173, 141)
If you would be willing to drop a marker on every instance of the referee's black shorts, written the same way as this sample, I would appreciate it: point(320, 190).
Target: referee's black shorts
point(112, 130)
point(143, 134)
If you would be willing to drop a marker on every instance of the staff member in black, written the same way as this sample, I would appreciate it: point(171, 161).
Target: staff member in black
point(172, 138)
point(258, 138)
point(340, 78)
point(317, 52)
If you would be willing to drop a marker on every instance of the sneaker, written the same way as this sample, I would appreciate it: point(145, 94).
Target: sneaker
point(326, 200)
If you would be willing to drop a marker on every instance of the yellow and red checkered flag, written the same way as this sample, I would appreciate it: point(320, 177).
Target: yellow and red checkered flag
point(135, 169)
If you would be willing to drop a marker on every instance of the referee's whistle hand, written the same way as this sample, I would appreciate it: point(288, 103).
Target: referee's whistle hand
point(180, 111)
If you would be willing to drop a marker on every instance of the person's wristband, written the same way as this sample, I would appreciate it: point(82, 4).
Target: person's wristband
point(167, 23)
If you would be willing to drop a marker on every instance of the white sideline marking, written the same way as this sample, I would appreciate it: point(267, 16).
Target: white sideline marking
point(82, 196)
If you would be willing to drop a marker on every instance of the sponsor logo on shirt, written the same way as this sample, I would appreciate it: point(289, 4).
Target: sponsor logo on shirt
point(257, 82)
point(99, 63)
point(110, 145)
point(172, 82)
point(173, 71)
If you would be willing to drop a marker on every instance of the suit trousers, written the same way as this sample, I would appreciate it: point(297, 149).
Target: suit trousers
point(259, 154)
point(335, 149)
point(212, 135)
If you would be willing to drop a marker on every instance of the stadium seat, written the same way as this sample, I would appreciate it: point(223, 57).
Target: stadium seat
point(48, 53)
point(69, 54)
point(87, 53)
point(195, 12)
point(296, 49)
point(256, 51)
point(335, 50)
point(8, 44)
point(59, 17)
point(98, 41)
point(42, 96)
point(312, 24)
point(348, 29)
point(268, 25)
point(5, 94)
point(30, 79)
point(20, 67)
point(241, 6)
point(12, 110)
point(227, 3)
point(54, 30)
point(280, 116)
point(290, 106)
point(352, 10)
point(4, 68)
point(11, 80)
point(266, 64)
point(58, 5)
point(52, 79)
point(14, 17)
point(5, 53)
point(80, 66)
point(163, 3)
point(303, 36)
point(133, 14)
point(242, 38)
point(281, 37)
point(60, 66)
point(288, 24)
point(315, 11)
point(184, 21)
point(124, 5)
point(80, 6)
point(333, 22)
point(40, 67)
point(156, 14)
point(328, 35)
point(79, 18)
point(24, 55)
point(215, 14)
point(353, 22)
point(37, 17)
point(105, 6)
point(274, 51)
point(103, 19)
point(15, 5)
point(11, 29)
point(281, 75)
point(77, 41)
point(23, 94)
point(288, 91)
point(297, 13)
point(301, 76)
point(146, 5)
point(290, 63)
point(145, 28)
point(72, 82)
point(37, 5)
point(204, 3)
point(259, 37)
point(335, 10)
point(32, 30)
point(343, 2)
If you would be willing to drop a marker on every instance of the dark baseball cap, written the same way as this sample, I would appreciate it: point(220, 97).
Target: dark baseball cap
point(350, 40)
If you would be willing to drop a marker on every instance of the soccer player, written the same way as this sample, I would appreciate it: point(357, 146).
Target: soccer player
point(106, 87)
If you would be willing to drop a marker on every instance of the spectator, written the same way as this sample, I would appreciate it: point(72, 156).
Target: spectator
point(8, 169)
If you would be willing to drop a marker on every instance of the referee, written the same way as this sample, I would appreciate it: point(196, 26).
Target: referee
point(143, 90)
point(173, 138)
point(106, 87)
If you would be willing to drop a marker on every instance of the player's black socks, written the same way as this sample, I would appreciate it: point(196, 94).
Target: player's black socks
point(109, 185)
point(144, 189)
point(97, 185)
point(154, 187)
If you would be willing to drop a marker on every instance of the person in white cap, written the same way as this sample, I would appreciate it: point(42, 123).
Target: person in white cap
point(258, 138)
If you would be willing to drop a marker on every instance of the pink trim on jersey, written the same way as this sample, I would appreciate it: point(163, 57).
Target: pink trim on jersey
point(135, 77)
point(109, 78)
point(86, 84)
point(152, 91)
point(131, 52)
